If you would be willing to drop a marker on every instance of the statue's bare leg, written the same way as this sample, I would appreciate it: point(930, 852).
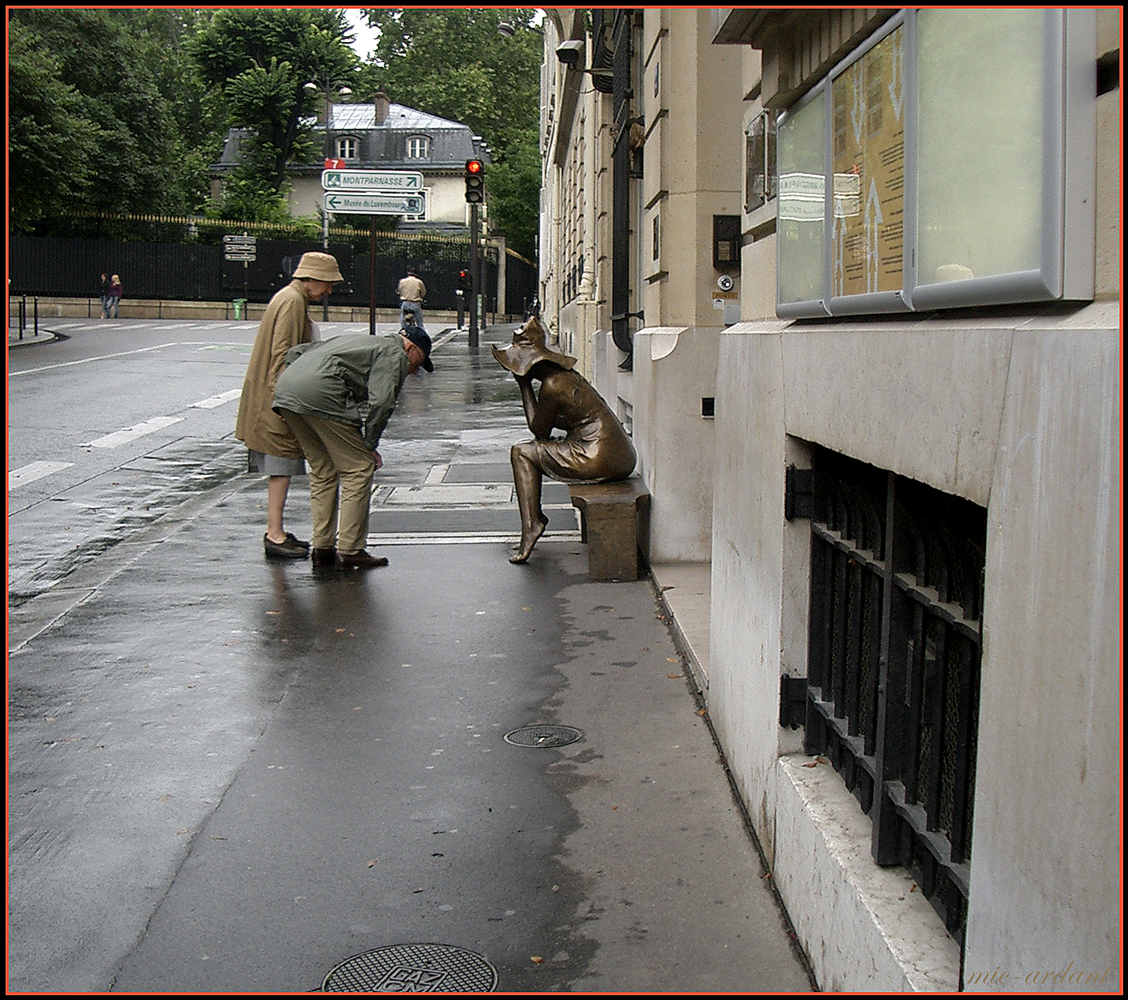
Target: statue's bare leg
point(527, 480)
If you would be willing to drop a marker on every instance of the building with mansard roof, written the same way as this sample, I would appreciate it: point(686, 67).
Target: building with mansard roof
point(380, 136)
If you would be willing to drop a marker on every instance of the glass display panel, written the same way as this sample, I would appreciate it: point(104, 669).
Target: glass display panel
point(867, 248)
point(953, 157)
point(801, 221)
point(981, 143)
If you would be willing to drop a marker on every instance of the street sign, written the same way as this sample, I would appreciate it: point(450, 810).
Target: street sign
point(372, 180)
point(375, 203)
point(239, 240)
point(240, 254)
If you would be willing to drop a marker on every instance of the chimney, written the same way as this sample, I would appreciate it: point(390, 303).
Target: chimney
point(382, 106)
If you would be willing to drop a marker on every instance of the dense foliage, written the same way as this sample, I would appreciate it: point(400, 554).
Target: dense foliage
point(106, 113)
point(261, 59)
point(116, 111)
point(480, 67)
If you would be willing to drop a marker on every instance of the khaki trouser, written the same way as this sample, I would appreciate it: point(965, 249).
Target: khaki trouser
point(339, 462)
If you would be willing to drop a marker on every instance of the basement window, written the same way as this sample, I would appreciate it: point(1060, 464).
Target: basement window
point(896, 604)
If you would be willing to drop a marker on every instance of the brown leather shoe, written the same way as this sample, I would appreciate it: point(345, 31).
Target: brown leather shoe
point(359, 560)
point(289, 549)
point(324, 557)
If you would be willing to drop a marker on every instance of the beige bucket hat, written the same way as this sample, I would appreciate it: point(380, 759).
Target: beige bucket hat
point(527, 349)
point(319, 266)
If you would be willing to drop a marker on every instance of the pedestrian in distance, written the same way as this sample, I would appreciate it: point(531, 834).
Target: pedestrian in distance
point(462, 293)
point(272, 447)
point(411, 291)
point(104, 296)
point(115, 295)
point(336, 396)
point(595, 448)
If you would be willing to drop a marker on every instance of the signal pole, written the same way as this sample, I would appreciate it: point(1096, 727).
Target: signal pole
point(475, 277)
point(475, 196)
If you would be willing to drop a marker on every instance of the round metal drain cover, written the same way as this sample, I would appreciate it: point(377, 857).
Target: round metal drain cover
point(413, 968)
point(543, 736)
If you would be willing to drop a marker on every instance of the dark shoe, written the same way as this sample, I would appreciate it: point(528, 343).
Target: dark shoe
point(289, 549)
point(296, 541)
point(360, 560)
point(324, 557)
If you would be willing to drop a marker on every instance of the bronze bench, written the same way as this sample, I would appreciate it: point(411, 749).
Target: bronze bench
point(615, 525)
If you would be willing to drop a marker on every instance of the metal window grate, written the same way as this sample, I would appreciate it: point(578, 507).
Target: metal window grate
point(893, 675)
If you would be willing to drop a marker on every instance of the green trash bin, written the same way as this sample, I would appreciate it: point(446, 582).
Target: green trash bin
point(240, 307)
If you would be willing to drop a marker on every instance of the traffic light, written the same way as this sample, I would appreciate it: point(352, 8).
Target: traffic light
point(475, 182)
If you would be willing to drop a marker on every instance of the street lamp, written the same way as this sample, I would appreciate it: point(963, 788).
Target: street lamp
point(328, 88)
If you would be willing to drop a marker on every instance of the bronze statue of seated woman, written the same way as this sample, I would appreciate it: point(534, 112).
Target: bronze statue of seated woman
point(595, 447)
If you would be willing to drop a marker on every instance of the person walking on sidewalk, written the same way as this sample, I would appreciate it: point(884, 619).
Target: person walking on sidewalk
point(271, 446)
point(105, 296)
point(115, 296)
point(336, 397)
point(411, 291)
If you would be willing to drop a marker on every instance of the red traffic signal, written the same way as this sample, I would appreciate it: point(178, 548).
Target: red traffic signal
point(475, 182)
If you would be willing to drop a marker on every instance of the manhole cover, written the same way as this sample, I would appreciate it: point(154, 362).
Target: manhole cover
point(413, 968)
point(543, 736)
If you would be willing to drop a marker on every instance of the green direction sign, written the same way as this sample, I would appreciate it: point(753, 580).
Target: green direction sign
point(372, 180)
point(375, 203)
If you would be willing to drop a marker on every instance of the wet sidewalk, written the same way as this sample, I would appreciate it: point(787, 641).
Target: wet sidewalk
point(454, 774)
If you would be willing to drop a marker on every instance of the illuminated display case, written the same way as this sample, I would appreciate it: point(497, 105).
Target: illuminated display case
point(948, 162)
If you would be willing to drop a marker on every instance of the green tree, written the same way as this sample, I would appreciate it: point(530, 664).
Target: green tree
point(123, 147)
point(50, 141)
point(260, 60)
point(455, 63)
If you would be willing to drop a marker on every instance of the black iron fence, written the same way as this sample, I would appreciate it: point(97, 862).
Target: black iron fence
point(72, 267)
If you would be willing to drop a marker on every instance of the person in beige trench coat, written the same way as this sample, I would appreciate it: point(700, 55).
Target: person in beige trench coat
point(272, 448)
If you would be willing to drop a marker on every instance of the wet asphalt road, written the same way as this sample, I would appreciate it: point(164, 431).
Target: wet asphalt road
point(231, 775)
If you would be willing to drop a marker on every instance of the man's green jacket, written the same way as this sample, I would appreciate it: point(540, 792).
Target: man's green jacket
point(353, 380)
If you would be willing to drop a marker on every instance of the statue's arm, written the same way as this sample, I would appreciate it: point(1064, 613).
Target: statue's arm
point(542, 417)
point(528, 398)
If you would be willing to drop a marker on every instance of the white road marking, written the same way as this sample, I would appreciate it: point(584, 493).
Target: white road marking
point(466, 538)
point(118, 438)
point(126, 354)
point(213, 401)
point(37, 470)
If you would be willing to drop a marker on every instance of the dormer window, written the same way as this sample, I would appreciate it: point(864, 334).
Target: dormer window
point(348, 147)
point(418, 147)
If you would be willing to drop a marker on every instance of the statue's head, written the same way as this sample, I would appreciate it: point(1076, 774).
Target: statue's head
point(527, 349)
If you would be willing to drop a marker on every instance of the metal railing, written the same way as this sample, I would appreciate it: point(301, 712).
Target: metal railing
point(21, 315)
point(893, 671)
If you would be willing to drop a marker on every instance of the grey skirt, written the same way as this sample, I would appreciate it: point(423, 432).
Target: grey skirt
point(272, 465)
